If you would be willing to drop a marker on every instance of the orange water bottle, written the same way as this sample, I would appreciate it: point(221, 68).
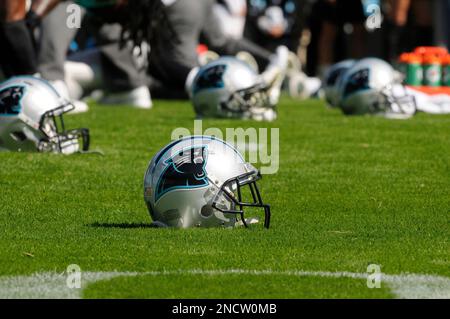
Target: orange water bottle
point(439, 51)
point(410, 64)
point(432, 70)
point(446, 70)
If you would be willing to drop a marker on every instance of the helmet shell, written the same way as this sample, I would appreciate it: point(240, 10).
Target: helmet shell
point(185, 177)
point(217, 81)
point(31, 118)
point(331, 81)
point(361, 87)
point(23, 102)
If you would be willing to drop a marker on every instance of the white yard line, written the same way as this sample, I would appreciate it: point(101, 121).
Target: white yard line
point(53, 285)
point(49, 285)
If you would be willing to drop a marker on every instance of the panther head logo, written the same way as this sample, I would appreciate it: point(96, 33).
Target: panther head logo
point(211, 78)
point(184, 170)
point(10, 98)
point(358, 81)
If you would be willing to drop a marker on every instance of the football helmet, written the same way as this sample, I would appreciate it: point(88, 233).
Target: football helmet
point(198, 181)
point(248, 58)
point(371, 86)
point(31, 118)
point(331, 80)
point(230, 88)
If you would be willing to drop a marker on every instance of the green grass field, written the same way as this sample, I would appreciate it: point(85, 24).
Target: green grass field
point(350, 191)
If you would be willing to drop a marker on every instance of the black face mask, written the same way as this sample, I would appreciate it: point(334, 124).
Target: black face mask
point(406, 104)
point(243, 100)
point(58, 138)
point(231, 190)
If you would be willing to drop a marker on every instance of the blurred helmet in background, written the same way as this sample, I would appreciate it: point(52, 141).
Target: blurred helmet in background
point(230, 88)
point(371, 86)
point(31, 118)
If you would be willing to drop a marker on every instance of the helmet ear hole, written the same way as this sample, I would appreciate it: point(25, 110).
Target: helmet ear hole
point(207, 210)
point(18, 136)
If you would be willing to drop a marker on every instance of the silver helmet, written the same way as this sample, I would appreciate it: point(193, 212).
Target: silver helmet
point(201, 181)
point(331, 80)
point(371, 86)
point(31, 118)
point(230, 88)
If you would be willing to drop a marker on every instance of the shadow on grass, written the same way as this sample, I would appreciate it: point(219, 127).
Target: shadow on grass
point(121, 225)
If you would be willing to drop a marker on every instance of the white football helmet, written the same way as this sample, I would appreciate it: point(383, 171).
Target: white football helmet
point(230, 88)
point(31, 118)
point(198, 181)
point(331, 80)
point(371, 86)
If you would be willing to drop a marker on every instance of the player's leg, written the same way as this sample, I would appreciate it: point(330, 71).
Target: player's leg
point(124, 69)
point(55, 40)
point(18, 52)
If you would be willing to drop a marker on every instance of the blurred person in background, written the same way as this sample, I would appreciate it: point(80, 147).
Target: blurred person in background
point(271, 23)
point(54, 39)
point(337, 32)
point(18, 53)
point(231, 17)
point(120, 71)
point(23, 54)
point(185, 24)
point(112, 67)
point(441, 15)
point(409, 24)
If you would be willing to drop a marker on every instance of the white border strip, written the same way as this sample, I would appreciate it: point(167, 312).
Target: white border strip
point(53, 285)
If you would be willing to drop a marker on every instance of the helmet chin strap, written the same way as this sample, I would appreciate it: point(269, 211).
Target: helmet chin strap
point(67, 144)
point(263, 114)
point(70, 146)
point(248, 221)
point(66, 147)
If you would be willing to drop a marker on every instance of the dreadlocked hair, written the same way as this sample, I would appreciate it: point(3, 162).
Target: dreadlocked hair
point(140, 21)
